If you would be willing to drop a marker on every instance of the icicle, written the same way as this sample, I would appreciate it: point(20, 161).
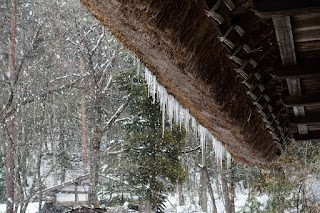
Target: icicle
point(170, 108)
point(228, 160)
point(163, 117)
point(138, 68)
point(202, 134)
point(181, 116)
point(154, 81)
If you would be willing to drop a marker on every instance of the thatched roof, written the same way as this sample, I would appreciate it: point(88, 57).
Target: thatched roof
point(214, 57)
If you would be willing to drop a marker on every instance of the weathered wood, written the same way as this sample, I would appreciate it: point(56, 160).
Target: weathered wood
point(307, 34)
point(267, 9)
point(311, 99)
point(309, 119)
point(298, 71)
point(308, 46)
point(72, 192)
point(314, 127)
point(310, 136)
point(282, 26)
point(305, 21)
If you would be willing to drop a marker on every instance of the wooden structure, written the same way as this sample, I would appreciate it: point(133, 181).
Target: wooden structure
point(85, 209)
point(246, 70)
point(71, 193)
point(297, 26)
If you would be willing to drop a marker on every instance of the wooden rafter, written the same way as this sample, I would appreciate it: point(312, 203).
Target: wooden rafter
point(311, 136)
point(298, 71)
point(281, 8)
point(309, 119)
point(310, 99)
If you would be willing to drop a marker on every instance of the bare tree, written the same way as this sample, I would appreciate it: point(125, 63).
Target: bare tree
point(10, 120)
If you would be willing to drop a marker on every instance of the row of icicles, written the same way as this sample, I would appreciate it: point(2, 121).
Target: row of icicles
point(181, 116)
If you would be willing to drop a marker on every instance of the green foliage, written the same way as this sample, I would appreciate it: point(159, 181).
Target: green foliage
point(153, 152)
point(285, 180)
point(252, 205)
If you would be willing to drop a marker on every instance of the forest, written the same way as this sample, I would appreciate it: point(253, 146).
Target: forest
point(74, 101)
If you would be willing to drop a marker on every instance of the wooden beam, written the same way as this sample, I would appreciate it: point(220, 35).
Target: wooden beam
point(282, 26)
point(310, 99)
point(314, 135)
point(309, 119)
point(72, 192)
point(307, 34)
point(71, 203)
point(268, 9)
point(298, 71)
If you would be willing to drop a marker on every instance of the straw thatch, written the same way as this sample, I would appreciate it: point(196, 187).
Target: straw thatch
point(183, 45)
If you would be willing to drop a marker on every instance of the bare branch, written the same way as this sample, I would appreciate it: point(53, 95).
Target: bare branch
point(123, 119)
point(115, 116)
point(5, 112)
point(98, 43)
point(24, 57)
point(114, 153)
point(192, 150)
point(108, 86)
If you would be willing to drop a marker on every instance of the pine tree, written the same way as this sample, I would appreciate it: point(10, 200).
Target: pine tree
point(153, 154)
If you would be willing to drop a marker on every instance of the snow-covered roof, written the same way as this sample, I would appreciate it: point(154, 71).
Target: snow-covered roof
point(81, 184)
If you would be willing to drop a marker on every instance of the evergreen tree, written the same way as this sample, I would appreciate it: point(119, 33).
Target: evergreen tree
point(153, 153)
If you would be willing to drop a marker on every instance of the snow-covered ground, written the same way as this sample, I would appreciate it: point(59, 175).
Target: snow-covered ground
point(32, 208)
point(191, 206)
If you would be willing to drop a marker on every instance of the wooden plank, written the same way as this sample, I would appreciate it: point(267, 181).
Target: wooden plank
point(314, 135)
point(311, 99)
point(282, 26)
point(305, 21)
point(314, 127)
point(307, 34)
point(71, 203)
point(298, 71)
point(309, 119)
point(309, 46)
point(72, 192)
point(268, 9)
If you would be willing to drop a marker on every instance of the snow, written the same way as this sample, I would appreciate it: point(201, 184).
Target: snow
point(191, 206)
point(10, 200)
point(181, 116)
point(61, 197)
point(32, 207)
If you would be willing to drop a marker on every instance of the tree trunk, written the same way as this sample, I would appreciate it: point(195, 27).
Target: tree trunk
point(39, 172)
point(10, 121)
point(225, 189)
point(180, 192)
point(203, 183)
point(95, 152)
point(52, 120)
point(214, 207)
point(83, 105)
point(216, 175)
point(203, 191)
point(232, 186)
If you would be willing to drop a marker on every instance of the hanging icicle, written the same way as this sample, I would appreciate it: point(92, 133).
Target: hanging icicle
point(180, 116)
